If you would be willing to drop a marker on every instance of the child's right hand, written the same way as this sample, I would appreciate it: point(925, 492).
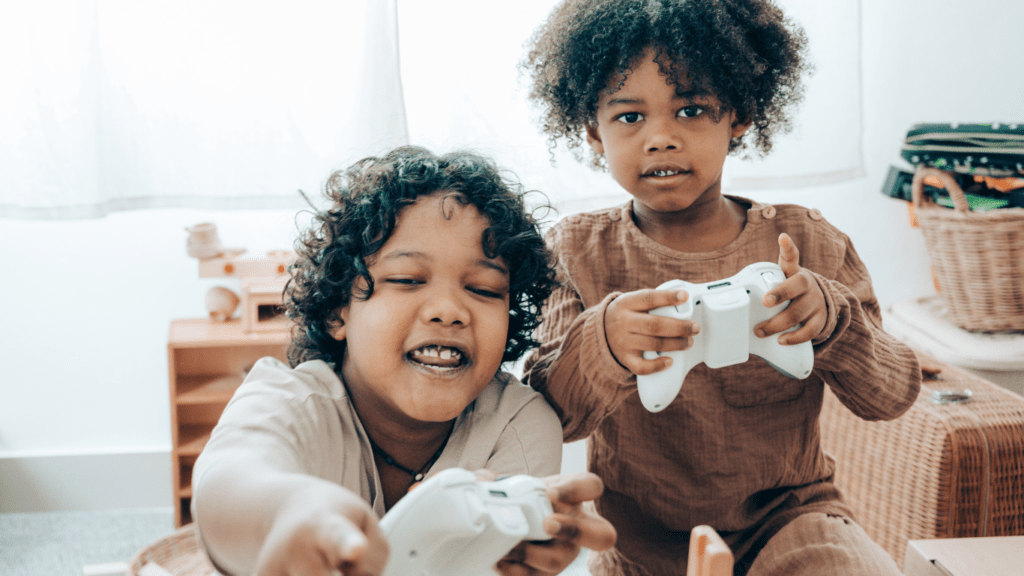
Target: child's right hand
point(631, 331)
point(321, 532)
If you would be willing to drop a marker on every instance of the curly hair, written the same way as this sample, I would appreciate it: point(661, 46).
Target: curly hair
point(366, 201)
point(745, 52)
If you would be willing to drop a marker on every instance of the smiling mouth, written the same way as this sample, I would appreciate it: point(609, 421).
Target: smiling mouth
point(441, 358)
point(664, 173)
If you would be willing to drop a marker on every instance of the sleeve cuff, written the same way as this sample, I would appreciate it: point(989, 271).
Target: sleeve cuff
point(832, 307)
point(599, 365)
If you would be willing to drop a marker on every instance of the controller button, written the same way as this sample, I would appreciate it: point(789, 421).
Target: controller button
point(814, 213)
point(768, 212)
point(730, 297)
point(771, 279)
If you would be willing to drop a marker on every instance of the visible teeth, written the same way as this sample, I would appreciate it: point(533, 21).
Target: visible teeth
point(437, 352)
point(665, 172)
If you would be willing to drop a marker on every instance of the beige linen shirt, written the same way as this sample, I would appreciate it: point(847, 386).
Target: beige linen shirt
point(305, 417)
point(739, 448)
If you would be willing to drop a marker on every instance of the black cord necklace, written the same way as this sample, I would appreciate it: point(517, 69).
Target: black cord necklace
point(416, 475)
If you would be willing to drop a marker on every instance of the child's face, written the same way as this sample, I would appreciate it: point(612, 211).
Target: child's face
point(664, 149)
point(433, 333)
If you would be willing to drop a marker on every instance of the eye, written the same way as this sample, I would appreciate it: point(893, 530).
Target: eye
point(404, 281)
point(486, 293)
point(630, 117)
point(691, 111)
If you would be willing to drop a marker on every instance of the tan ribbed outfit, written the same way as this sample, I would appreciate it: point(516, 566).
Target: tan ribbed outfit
point(739, 448)
point(304, 416)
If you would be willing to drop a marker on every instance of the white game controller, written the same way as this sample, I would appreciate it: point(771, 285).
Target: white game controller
point(454, 525)
point(727, 311)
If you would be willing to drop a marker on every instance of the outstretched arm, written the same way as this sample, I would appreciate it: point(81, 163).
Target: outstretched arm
point(255, 517)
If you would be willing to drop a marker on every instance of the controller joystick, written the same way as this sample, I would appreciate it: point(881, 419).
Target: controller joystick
point(727, 311)
point(454, 525)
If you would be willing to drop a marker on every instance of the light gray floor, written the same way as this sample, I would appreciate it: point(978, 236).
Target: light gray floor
point(61, 543)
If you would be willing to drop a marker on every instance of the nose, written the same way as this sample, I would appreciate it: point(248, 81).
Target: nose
point(445, 305)
point(662, 135)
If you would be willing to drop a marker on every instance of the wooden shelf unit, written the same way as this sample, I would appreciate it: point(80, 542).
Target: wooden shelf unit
point(207, 362)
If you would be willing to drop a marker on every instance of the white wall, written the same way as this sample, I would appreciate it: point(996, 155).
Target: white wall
point(87, 303)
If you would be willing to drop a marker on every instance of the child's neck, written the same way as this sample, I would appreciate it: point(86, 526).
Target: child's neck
point(701, 227)
point(411, 447)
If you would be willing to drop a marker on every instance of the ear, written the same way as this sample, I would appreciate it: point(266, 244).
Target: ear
point(336, 323)
point(740, 126)
point(594, 138)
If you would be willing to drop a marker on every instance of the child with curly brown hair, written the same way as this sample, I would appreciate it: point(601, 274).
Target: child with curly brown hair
point(409, 292)
point(662, 91)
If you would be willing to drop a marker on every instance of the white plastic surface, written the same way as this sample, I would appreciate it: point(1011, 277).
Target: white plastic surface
point(453, 525)
point(731, 317)
point(727, 311)
point(924, 324)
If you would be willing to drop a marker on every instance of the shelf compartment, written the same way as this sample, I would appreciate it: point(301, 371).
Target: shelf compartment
point(192, 440)
point(208, 389)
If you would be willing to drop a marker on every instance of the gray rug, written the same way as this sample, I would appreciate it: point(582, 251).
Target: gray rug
point(61, 543)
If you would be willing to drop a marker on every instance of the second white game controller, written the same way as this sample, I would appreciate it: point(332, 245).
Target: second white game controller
point(727, 311)
point(454, 525)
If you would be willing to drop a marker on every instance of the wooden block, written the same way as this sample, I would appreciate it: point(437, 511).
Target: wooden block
point(262, 300)
point(709, 555)
point(236, 264)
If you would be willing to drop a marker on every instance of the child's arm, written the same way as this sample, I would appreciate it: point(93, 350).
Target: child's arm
point(588, 359)
point(873, 374)
point(256, 517)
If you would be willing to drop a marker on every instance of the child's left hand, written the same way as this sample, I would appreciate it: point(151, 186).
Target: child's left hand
point(807, 302)
point(571, 528)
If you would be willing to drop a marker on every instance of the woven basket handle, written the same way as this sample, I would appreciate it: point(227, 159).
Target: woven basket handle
point(948, 182)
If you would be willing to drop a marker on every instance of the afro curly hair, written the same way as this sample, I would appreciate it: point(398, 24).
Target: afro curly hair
point(745, 52)
point(366, 202)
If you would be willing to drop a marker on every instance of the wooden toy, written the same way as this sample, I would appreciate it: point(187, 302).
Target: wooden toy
point(262, 277)
point(202, 241)
point(262, 309)
point(235, 263)
point(709, 555)
point(221, 303)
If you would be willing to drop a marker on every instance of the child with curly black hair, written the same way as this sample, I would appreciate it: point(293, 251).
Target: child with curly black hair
point(409, 292)
point(662, 91)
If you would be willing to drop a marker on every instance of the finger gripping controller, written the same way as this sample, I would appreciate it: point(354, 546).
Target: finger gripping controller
point(454, 525)
point(727, 311)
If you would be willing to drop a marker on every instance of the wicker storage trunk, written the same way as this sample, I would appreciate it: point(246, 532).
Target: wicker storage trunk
point(178, 553)
point(940, 470)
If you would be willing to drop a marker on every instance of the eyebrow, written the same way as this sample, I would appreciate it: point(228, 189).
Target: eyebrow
point(482, 262)
point(689, 94)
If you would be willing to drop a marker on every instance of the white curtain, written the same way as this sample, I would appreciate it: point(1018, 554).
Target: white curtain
point(118, 105)
point(825, 145)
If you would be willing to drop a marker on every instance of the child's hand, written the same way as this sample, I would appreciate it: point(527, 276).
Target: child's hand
point(571, 528)
point(323, 532)
point(631, 331)
point(807, 303)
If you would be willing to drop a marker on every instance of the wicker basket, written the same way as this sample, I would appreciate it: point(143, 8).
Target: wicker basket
point(977, 258)
point(178, 553)
point(938, 471)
